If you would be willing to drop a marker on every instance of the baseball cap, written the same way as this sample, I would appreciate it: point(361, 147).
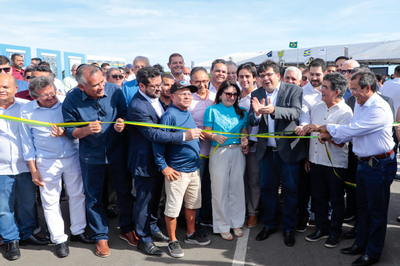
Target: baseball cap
point(129, 65)
point(179, 85)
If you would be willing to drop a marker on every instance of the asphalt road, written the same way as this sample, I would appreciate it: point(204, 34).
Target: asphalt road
point(240, 251)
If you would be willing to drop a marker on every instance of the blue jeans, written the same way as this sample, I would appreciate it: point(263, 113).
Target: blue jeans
point(17, 207)
point(373, 193)
point(93, 177)
point(273, 170)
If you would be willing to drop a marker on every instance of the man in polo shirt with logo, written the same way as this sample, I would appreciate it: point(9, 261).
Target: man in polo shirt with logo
point(180, 165)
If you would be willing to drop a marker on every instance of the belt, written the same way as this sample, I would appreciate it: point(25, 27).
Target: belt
point(273, 148)
point(379, 156)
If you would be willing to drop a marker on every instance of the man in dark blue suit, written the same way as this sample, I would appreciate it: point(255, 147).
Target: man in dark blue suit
point(145, 107)
point(276, 107)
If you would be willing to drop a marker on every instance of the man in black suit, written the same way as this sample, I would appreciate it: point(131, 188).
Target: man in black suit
point(145, 107)
point(278, 158)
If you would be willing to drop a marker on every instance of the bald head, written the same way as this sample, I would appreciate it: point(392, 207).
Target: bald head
point(347, 67)
point(8, 89)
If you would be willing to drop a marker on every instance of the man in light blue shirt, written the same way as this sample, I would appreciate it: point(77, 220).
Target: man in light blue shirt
point(130, 88)
point(52, 156)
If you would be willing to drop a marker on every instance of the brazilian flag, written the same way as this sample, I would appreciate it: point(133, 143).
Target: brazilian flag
point(293, 45)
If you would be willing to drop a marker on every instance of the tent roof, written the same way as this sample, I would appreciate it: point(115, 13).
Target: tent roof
point(373, 53)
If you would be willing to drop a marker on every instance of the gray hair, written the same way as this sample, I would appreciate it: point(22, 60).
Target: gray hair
point(111, 69)
point(295, 69)
point(338, 83)
point(75, 65)
point(86, 68)
point(141, 58)
point(39, 83)
point(231, 63)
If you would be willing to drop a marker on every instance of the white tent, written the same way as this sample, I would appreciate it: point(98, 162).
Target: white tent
point(374, 53)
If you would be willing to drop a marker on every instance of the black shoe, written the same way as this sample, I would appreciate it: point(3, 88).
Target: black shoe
point(62, 250)
point(160, 237)
point(353, 250)
point(35, 240)
point(364, 260)
point(332, 241)
point(351, 234)
point(317, 235)
point(13, 252)
point(265, 233)
point(398, 219)
point(288, 238)
point(149, 248)
point(82, 238)
point(111, 213)
point(301, 224)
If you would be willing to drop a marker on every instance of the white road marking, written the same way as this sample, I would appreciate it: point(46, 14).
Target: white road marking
point(239, 259)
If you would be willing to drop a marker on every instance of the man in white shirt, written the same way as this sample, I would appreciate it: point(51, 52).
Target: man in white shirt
point(177, 65)
point(370, 130)
point(70, 82)
point(17, 192)
point(325, 185)
point(218, 72)
point(52, 157)
point(391, 88)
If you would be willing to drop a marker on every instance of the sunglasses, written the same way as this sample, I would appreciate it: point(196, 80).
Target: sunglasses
point(117, 76)
point(348, 71)
point(5, 69)
point(229, 95)
point(28, 77)
point(304, 78)
point(99, 110)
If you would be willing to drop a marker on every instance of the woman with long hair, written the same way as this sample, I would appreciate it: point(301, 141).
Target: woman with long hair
point(227, 163)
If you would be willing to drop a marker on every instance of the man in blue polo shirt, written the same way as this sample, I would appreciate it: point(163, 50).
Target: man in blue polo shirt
point(180, 165)
point(101, 146)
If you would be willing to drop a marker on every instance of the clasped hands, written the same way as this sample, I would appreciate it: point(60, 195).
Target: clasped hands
point(261, 108)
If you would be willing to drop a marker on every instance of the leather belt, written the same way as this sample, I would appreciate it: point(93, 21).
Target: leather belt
point(379, 156)
point(273, 148)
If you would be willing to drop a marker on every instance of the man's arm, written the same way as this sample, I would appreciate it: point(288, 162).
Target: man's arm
point(291, 113)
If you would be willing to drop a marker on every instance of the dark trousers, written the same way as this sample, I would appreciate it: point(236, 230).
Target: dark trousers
point(373, 193)
point(148, 193)
point(204, 214)
point(327, 187)
point(304, 192)
point(273, 170)
point(93, 177)
point(351, 207)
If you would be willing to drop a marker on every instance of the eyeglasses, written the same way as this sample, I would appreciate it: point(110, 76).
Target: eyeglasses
point(5, 69)
point(154, 86)
point(266, 75)
point(28, 77)
point(229, 95)
point(99, 110)
point(348, 71)
point(304, 78)
point(47, 95)
point(117, 76)
point(198, 82)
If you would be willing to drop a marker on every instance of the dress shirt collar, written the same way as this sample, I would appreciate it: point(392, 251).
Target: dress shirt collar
point(337, 105)
point(275, 91)
point(310, 88)
point(35, 105)
point(370, 100)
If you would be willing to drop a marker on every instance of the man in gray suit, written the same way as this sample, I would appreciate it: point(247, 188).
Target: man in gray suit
point(278, 158)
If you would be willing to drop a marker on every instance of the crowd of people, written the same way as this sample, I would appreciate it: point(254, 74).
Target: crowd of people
point(232, 139)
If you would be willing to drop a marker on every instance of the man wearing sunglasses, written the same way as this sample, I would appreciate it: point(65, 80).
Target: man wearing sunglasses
point(101, 147)
point(115, 76)
point(6, 68)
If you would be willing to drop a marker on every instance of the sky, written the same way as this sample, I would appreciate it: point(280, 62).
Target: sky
point(199, 30)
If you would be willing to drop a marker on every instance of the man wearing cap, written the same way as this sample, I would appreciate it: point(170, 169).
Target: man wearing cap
point(180, 165)
point(129, 75)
